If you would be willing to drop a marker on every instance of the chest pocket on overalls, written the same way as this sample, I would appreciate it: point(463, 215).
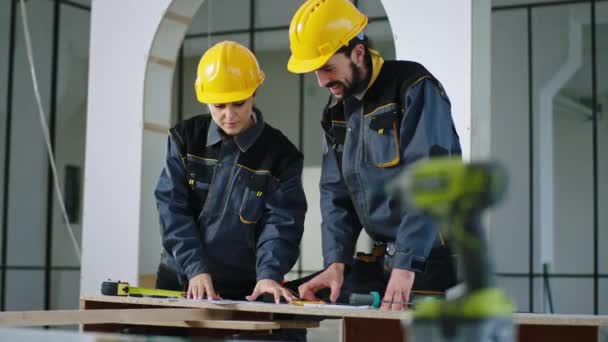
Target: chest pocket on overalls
point(382, 138)
point(334, 137)
point(256, 190)
point(199, 180)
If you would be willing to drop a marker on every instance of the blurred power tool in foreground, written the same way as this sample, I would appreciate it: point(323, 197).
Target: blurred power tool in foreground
point(454, 194)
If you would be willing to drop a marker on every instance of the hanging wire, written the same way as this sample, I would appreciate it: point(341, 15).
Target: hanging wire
point(45, 128)
point(209, 19)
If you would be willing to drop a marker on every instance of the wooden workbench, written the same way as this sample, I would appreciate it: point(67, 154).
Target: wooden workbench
point(358, 324)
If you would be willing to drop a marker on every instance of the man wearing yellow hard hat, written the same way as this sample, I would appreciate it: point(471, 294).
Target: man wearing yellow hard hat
point(381, 117)
point(230, 195)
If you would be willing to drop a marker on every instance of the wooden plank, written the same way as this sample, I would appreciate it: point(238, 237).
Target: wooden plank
point(560, 319)
point(363, 329)
point(178, 18)
point(557, 333)
point(154, 127)
point(122, 316)
point(162, 61)
point(236, 324)
point(252, 307)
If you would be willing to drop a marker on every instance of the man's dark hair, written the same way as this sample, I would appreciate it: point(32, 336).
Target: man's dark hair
point(367, 44)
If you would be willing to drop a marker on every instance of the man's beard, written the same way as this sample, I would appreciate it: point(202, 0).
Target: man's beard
point(357, 85)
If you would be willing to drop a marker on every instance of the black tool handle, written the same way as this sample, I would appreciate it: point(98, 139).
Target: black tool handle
point(109, 288)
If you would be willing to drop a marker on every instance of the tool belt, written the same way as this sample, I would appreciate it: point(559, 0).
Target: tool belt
point(381, 251)
point(386, 250)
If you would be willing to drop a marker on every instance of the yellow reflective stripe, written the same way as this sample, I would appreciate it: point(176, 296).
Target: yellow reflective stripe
point(252, 170)
point(377, 62)
point(441, 238)
point(338, 121)
point(397, 158)
point(419, 80)
point(259, 171)
point(201, 158)
point(440, 87)
point(380, 108)
point(246, 221)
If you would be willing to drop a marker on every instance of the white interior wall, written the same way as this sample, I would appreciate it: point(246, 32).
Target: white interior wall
point(439, 34)
point(5, 14)
point(111, 211)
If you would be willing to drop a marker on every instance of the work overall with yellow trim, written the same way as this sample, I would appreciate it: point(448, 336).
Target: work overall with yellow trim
point(403, 115)
point(232, 207)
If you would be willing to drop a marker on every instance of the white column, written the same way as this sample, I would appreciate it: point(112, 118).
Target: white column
point(122, 32)
point(451, 38)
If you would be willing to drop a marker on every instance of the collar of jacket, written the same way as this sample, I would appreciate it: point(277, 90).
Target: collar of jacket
point(377, 62)
point(243, 140)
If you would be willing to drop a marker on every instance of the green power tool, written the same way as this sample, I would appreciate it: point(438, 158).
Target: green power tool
point(454, 194)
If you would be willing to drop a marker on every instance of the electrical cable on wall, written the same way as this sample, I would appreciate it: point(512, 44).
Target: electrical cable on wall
point(45, 128)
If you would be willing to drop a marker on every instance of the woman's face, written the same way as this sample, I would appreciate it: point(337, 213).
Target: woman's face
point(233, 118)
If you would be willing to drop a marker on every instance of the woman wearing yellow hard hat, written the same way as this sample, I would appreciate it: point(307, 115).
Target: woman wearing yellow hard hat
point(230, 196)
point(381, 117)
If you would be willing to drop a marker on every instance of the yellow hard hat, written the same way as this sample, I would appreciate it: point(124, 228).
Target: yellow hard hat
point(227, 72)
point(318, 29)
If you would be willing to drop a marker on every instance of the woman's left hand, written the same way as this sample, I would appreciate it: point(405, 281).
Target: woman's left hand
point(272, 287)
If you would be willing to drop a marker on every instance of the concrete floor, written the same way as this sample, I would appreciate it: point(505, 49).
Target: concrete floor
point(330, 330)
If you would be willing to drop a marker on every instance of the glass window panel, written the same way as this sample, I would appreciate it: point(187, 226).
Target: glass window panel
point(602, 133)
point(570, 295)
point(517, 289)
point(24, 290)
point(509, 222)
point(371, 8)
point(194, 48)
point(522, 2)
point(382, 38)
point(278, 97)
point(28, 161)
point(65, 290)
point(176, 90)
point(315, 99)
point(311, 255)
point(272, 13)
point(214, 16)
point(563, 166)
point(70, 129)
point(603, 300)
point(5, 21)
point(82, 2)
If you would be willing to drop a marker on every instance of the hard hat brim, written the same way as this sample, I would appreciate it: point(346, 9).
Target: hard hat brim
point(301, 66)
point(213, 98)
